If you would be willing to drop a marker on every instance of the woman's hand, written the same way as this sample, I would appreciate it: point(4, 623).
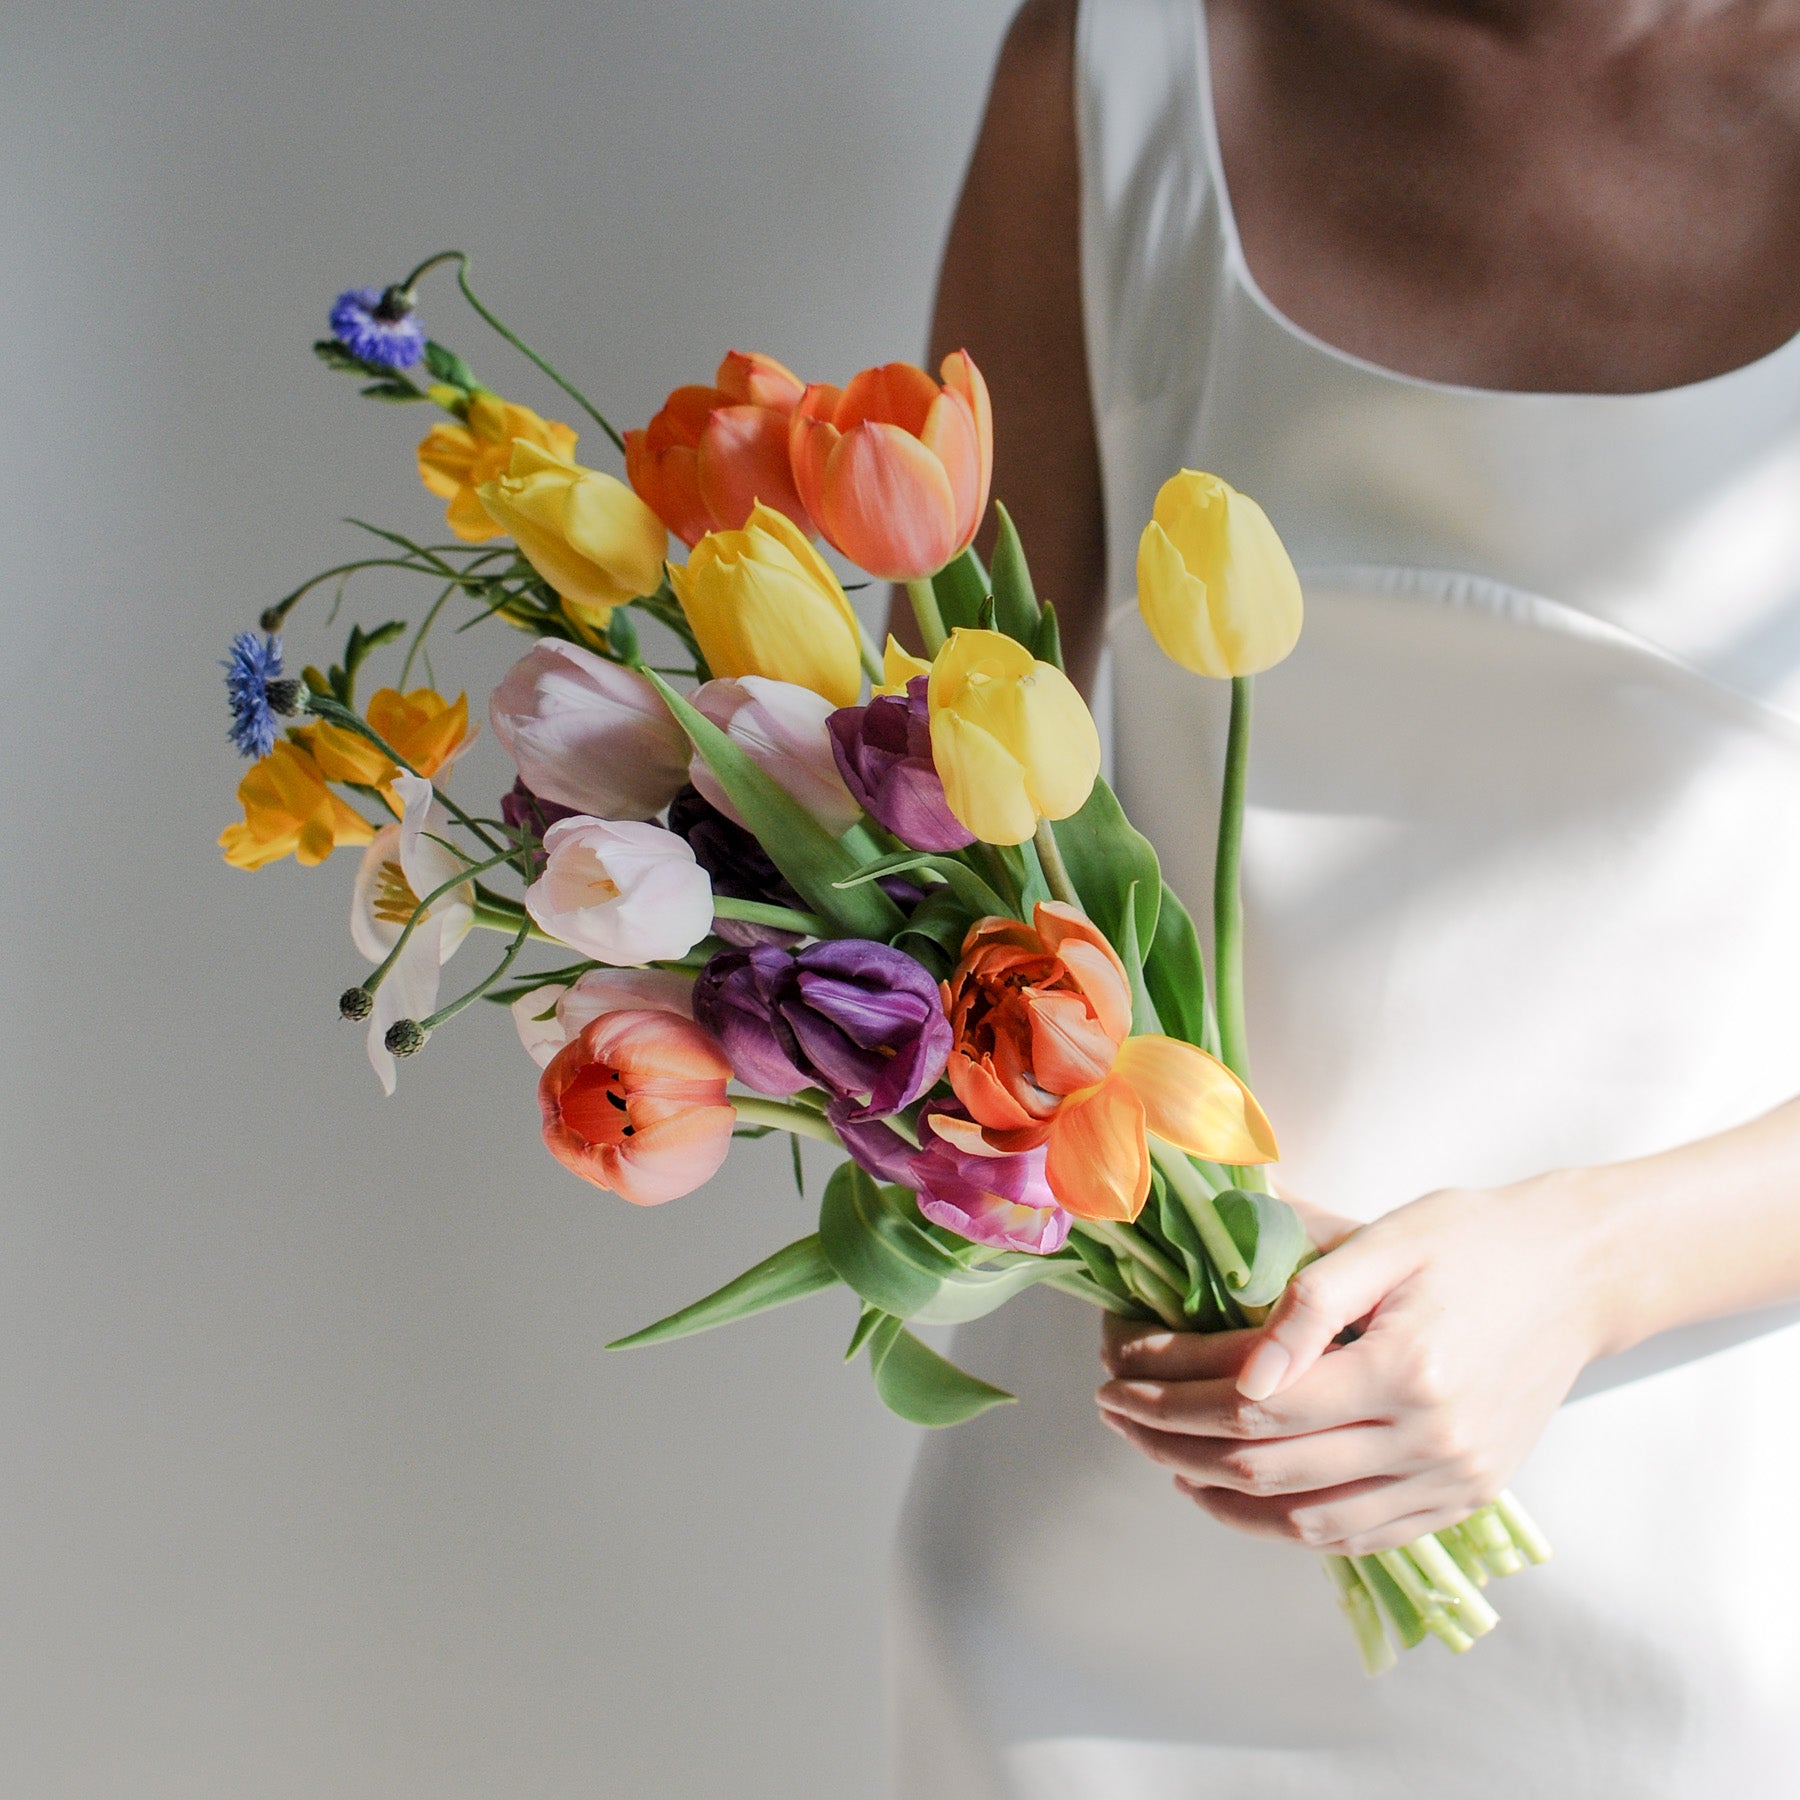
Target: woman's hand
point(1479, 1310)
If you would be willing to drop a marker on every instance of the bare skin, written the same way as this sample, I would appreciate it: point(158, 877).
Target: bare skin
point(1537, 195)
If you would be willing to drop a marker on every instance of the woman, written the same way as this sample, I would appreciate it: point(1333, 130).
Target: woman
point(1493, 305)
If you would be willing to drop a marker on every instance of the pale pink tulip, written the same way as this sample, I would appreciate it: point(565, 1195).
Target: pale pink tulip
point(587, 733)
point(781, 728)
point(621, 892)
point(549, 1016)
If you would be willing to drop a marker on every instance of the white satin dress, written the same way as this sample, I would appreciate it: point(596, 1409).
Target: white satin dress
point(1523, 890)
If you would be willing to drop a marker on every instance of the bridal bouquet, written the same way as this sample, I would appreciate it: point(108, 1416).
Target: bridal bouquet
point(911, 923)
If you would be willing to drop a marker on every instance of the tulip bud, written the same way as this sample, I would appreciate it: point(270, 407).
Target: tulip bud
point(1011, 738)
point(762, 601)
point(712, 452)
point(1215, 584)
point(782, 729)
point(587, 534)
point(894, 468)
point(589, 734)
point(622, 893)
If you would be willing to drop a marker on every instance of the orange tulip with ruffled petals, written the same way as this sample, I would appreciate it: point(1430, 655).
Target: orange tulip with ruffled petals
point(1044, 1055)
point(635, 1103)
point(712, 452)
point(895, 469)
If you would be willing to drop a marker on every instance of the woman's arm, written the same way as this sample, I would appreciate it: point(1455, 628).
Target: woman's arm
point(1010, 294)
point(1481, 1308)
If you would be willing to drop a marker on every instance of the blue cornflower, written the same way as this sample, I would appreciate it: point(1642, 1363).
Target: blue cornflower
point(252, 665)
point(378, 325)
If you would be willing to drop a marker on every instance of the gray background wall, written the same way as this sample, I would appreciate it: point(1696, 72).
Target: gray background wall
point(314, 1478)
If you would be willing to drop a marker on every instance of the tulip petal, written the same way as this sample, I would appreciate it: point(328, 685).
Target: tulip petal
point(1070, 1049)
point(1194, 1102)
point(896, 393)
point(961, 377)
point(984, 783)
point(1098, 1161)
point(887, 503)
point(950, 436)
point(743, 458)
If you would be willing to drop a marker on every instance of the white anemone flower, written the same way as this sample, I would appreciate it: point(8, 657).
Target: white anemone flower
point(405, 863)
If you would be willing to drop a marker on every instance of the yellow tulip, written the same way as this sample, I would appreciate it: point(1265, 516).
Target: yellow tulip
point(289, 811)
point(763, 601)
point(586, 533)
point(428, 730)
point(898, 667)
point(1215, 585)
point(1012, 740)
point(454, 460)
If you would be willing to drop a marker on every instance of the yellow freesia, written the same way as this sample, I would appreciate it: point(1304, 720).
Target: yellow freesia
point(426, 729)
point(1012, 740)
point(1215, 584)
point(454, 460)
point(289, 811)
point(587, 534)
point(898, 667)
point(763, 601)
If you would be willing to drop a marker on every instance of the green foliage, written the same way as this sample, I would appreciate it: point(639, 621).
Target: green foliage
point(935, 929)
point(357, 648)
point(1016, 610)
point(961, 586)
point(1269, 1236)
point(1112, 866)
point(446, 366)
point(799, 846)
point(790, 1274)
point(962, 881)
point(923, 1387)
point(1175, 974)
point(1049, 638)
point(1143, 1008)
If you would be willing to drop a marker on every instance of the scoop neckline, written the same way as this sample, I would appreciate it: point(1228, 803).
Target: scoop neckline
point(1239, 266)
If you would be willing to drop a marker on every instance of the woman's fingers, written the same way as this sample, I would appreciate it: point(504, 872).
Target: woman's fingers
point(1355, 1519)
point(1132, 1347)
point(1296, 1465)
point(1342, 1390)
point(1344, 1285)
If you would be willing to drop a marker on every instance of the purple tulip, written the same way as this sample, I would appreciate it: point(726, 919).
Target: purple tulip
point(986, 1196)
point(858, 1019)
point(883, 752)
point(739, 866)
point(525, 811)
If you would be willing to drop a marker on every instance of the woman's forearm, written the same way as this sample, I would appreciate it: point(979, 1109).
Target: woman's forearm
point(1698, 1232)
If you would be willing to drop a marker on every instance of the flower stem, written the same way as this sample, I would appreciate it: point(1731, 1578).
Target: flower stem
point(518, 343)
point(1122, 1241)
point(783, 918)
point(1056, 871)
point(1228, 902)
point(497, 973)
point(925, 610)
point(1362, 1612)
point(1184, 1179)
point(1522, 1528)
point(753, 1109)
point(871, 657)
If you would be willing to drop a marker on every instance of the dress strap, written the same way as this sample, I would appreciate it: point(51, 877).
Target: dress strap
point(1152, 238)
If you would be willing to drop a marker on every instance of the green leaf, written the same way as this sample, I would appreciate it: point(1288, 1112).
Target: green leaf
point(1175, 974)
point(960, 586)
point(963, 882)
point(336, 354)
point(799, 846)
point(1101, 1267)
point(1016, 610)
point(935, 929)
point(1271, 1238)
point(621, 636)
point(922, 1387)
point(790, 1274)
point(394, 388)
point(1143, 1008)
point(876, 1251)
point(1107, 857)
point(1049, 638)
point(974, 1293)
point(446, 365)
point(866, 1322)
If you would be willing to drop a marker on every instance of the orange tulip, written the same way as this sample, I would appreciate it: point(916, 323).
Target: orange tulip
point(713, 452)
point(895, 469)
point(1043, 1055)
point(635, 1103)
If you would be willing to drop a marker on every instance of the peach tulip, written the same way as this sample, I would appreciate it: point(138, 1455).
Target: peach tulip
point(1043, 1055)
point(712, 452)
point(895, 469)
point(636, 1104)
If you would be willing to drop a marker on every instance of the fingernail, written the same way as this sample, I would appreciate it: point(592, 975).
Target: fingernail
point(1262, 1374)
